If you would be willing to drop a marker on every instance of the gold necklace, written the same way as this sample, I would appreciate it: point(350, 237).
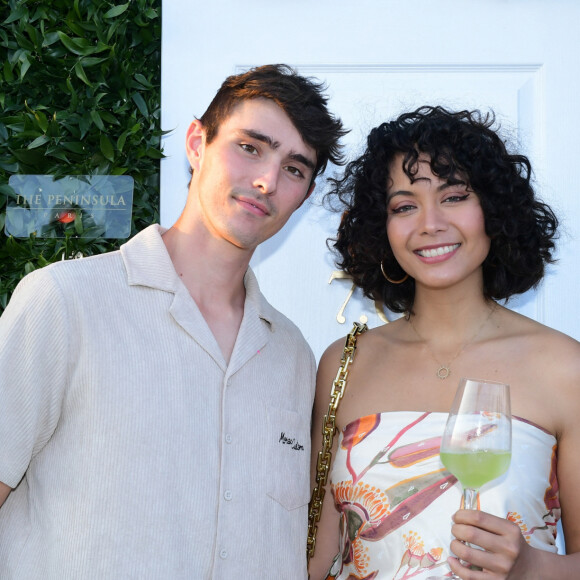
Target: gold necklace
point(444, 370)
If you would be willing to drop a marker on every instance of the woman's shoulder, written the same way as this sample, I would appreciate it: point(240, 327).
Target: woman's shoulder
point(370, 337)
point(548, 362)
point(548, 341)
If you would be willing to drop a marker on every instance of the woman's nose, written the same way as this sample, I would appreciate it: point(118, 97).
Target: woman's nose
point(433, 219)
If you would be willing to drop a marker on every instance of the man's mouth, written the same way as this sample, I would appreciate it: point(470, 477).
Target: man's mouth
point(254, 206)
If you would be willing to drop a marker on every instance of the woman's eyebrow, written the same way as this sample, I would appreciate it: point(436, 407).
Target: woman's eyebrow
point(451, 183)
point(402, 192)
point(440, 188)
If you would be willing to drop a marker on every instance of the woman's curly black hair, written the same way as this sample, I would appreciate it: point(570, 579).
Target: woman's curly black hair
point(462, 145)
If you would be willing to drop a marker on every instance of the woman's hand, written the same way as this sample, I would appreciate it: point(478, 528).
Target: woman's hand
point(506, 555)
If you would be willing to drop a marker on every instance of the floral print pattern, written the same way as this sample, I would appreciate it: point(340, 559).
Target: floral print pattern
point(396, 499)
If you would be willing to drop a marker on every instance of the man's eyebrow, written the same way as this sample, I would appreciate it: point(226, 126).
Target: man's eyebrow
point(301, 159)
point(275, 144)
point(261, 137)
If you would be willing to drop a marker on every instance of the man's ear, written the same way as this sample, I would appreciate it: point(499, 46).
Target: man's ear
point(194, 142)
point(310, 190)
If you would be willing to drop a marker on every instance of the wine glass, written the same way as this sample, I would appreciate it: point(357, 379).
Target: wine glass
point(477, 441)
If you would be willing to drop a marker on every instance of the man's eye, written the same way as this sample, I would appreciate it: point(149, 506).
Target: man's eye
point(249, 148)
point(294, 171)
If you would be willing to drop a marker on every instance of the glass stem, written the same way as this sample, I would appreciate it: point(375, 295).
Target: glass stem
point(470, 503)
point(470, 499)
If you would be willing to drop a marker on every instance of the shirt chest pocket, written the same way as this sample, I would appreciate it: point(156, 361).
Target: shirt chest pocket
point(288, 456)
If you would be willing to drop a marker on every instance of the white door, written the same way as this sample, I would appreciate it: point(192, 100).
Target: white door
point(519, 57)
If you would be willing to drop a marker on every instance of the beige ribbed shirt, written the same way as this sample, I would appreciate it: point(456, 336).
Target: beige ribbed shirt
point(135, 451)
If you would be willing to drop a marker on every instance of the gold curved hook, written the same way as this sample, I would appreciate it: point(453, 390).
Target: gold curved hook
point(340, 318)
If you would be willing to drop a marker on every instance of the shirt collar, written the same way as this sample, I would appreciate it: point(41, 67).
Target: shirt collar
point(254, 297)
point(148, 263)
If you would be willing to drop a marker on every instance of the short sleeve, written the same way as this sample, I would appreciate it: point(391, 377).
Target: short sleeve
point(33, 371)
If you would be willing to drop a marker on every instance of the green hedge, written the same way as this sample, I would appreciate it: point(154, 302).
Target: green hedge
point(79, 95)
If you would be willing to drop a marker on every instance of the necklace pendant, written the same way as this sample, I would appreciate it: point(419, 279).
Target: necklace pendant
point(443, 372)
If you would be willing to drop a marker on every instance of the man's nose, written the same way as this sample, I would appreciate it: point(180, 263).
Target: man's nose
point(267, 178)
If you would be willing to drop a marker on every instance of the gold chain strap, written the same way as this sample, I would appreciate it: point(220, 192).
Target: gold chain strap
point(328, 431)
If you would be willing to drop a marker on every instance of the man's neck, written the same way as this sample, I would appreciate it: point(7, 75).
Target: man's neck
point(213, 273)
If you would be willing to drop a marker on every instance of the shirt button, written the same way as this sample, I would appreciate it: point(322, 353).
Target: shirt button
point(229, 438)
point(228, 495)
point(223, 554)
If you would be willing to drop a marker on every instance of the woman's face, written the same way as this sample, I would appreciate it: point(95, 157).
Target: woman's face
point(436, 229)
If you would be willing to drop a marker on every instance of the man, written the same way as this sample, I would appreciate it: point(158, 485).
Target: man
point(154, 408)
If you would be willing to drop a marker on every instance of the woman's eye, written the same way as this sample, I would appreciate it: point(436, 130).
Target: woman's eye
point(249, 148)
point(402, 208)
point(456, 198)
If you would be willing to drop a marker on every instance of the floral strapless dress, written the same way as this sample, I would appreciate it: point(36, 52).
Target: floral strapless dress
point(396, 498)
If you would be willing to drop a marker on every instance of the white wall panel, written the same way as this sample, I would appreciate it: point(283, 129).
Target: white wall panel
point(519, 57)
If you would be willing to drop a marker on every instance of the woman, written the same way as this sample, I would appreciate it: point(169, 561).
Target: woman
point(441, 223)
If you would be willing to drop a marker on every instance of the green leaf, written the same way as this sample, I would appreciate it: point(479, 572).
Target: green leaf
point(90, 61)
point(106, 116)
point(97, 120)
point(142, 80)
point(49, 39)
point(154, 154)
point(72, 93)
point(20, 12)
point(7, 70)
point(42, 120)
point(84, 125)
point(6, 189)
point(116, 10)
point(107, 148)
point(29, 267)
point(58, 154)
point(69, 44)
point(141, 104)
point(121, 140)
point(24, 65)
point(80, 72)
point(78, 46)
point(75, 147)
point(150, 13)
point(39, 141)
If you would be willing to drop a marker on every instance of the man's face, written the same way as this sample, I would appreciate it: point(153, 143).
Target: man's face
point(254, 174)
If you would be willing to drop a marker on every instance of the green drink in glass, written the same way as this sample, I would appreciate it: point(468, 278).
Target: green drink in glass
point(477, 441)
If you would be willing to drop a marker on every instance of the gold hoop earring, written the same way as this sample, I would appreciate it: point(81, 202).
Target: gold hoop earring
point(389, 279)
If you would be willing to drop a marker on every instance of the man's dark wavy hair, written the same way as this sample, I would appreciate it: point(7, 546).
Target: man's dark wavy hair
point(301, 98)
point(460, 145)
